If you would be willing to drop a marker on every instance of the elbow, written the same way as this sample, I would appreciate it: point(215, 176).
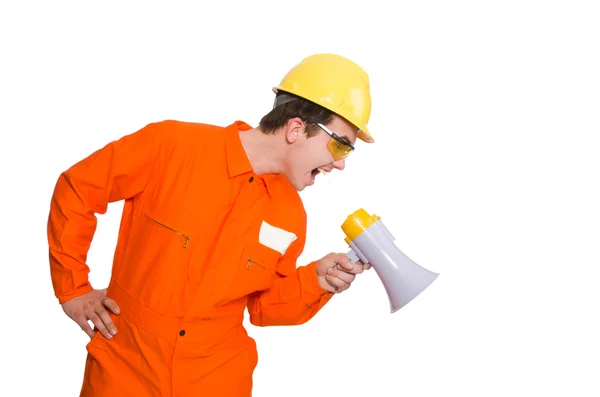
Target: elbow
point(256, 319)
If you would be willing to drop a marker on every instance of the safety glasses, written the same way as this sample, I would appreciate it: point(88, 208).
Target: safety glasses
point(338, 148)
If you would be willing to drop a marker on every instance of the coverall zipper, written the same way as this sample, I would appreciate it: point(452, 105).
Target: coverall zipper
point(251, 261)
point(187, 238)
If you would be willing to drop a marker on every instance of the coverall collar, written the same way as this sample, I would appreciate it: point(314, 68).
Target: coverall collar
point(237, 160)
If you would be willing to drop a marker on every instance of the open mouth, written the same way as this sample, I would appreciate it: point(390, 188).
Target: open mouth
point(316, 172)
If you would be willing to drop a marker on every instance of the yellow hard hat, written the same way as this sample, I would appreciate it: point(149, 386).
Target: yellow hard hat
point(337, 84)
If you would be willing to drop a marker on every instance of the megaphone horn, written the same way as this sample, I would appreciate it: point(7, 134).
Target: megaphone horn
point(371, 242)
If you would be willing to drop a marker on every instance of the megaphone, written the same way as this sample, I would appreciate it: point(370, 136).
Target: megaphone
point(371, 242)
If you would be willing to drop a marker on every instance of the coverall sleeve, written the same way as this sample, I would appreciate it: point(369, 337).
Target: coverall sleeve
point(296, 295)
point(119, 170)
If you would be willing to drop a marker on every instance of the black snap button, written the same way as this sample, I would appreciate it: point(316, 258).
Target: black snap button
point(251, 179)
point(182, 332)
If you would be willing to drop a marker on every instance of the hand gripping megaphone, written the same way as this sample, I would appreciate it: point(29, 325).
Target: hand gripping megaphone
point(371, 242)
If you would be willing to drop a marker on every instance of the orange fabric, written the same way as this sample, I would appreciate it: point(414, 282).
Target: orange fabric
point(181, 272)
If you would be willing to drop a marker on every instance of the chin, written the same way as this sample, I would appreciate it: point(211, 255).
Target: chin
point(298, 183)
point(299, 186)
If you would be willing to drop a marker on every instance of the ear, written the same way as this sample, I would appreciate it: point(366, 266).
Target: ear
point(294, 130)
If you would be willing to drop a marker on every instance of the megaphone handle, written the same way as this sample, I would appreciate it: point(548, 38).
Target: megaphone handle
point(353, 257)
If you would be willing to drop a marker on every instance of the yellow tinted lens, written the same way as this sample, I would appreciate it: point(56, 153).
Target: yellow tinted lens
point(337, 149)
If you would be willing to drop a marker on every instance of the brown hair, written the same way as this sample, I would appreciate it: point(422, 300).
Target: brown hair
point(288, 106)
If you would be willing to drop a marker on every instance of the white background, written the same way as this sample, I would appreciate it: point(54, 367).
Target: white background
point(485, 168)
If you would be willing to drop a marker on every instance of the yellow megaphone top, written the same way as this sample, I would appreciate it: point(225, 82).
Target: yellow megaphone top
point(356, 223)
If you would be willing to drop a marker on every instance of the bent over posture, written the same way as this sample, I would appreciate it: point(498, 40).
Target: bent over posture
point(212, 224)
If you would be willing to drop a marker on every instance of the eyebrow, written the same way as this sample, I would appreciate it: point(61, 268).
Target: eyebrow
point(345, 139)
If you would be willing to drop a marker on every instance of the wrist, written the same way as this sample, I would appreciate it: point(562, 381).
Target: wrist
point(315, 286)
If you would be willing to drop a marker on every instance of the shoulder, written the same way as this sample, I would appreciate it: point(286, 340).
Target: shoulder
point(177, 129)
point(183, 137)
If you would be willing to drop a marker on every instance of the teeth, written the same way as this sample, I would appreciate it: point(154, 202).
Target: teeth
point(322, 171)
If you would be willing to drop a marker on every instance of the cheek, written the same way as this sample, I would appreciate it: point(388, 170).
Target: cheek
point(306, 157)
point(299, 161)
point(293, 165)
point(315, 155)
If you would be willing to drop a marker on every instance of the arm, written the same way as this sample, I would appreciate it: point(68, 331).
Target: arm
point(296, 296)
point(292, 300)
point(120, 170)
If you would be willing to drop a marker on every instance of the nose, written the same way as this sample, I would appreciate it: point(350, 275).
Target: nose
point(339, 164)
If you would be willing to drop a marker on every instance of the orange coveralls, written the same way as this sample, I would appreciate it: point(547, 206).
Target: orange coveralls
point(188, 260)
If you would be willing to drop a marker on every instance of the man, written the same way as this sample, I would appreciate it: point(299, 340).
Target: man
point(212, 224)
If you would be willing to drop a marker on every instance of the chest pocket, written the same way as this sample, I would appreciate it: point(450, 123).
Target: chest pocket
point(255, 271)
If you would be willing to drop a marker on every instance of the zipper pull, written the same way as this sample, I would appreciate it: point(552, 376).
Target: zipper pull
point(187, 240)
point(248, 265)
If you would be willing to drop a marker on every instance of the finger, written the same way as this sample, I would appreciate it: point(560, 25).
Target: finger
point(364, 266)
point(339, 284)
point(112, 305)
point(108, 323)
point(341, 274)
point(332, 286)
point(356, 269)
point(85, 326)
point(94, 318)
point(344, 261)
